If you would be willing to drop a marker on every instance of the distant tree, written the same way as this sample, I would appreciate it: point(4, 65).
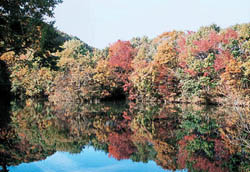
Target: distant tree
point(22, 24)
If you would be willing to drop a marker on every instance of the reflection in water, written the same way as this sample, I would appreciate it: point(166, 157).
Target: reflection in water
point(174, 137)
point(89, 160)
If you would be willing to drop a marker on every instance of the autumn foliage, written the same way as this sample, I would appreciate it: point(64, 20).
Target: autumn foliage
point(210, 66)
point(174, 136)
point(121, 55)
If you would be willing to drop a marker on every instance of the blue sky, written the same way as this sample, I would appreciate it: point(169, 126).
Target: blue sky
point(101, 22)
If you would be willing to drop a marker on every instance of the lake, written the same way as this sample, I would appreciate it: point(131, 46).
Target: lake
point(40, 136)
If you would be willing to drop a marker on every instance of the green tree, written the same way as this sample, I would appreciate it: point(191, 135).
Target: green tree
point(22, 24)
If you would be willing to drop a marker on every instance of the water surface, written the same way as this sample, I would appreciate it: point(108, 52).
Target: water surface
point(89, 160)
point(122, 136)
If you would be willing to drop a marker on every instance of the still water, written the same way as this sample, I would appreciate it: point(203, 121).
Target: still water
point(121, 137)
point(89, 160)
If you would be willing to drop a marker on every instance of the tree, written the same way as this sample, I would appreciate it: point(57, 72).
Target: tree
point(22, 23)
point(121, 54)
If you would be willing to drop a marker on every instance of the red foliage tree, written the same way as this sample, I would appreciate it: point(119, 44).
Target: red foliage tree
point(221, 60)
point(121, 54)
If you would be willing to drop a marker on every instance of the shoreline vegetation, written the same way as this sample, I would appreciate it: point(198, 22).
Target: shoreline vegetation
point(210, 66)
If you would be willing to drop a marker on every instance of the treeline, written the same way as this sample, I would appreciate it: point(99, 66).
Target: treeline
point(208, 66)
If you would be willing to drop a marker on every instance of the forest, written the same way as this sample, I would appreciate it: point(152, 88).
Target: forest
point(210, 66)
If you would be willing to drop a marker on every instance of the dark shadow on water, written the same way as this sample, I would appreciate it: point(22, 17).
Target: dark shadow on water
point(4, 168)
point(5, 98)
point(4, 112)
point(5, 95)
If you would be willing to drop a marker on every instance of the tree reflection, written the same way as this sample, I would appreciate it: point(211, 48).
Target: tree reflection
point(175, 137)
